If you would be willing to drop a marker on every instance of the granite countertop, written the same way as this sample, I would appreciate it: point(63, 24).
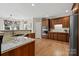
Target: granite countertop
point(59, 31)
point(17, 42)
point(1, 33)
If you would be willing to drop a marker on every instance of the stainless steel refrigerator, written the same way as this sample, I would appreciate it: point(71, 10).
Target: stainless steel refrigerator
point(73, 34)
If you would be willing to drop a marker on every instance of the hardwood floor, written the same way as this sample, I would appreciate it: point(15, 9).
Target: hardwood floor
point(47, 47)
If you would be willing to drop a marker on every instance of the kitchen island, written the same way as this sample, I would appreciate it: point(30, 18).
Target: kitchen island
point(18, 46)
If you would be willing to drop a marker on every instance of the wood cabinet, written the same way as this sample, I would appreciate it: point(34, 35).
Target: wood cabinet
point(25, 50)
point(49, 23)
point(62, 37)
point(45, 36)
point(55, 36)
point(67, 37)
point(52, 21)
point(62, 20)
point(30, 35)
point(45, 22)
point(50, 35)
point(59, 36)
point(65, 22)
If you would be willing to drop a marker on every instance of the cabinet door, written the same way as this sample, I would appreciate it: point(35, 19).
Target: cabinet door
point(31, 49)
point(67, 39)
point(62, 37)
point(20, 51)
point(52, 36)
point(44, 22)
point(25, 50)
point(55, 36)
point(52, 23)
point(65, 22)
point(49, 35)
point(57, 21)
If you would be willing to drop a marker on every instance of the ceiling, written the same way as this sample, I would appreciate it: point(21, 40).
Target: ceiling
point(26, 10)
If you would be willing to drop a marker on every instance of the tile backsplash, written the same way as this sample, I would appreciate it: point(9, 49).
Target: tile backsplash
point(60, 30)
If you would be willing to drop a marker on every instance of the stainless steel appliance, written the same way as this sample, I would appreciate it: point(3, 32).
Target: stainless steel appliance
point(44, 30)
point(73, 34)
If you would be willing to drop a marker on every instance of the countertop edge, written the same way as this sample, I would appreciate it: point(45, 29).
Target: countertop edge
point(16, 47)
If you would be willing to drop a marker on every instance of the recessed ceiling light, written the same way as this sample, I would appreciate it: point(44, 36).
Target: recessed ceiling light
point(66, 11)
point(33, 4)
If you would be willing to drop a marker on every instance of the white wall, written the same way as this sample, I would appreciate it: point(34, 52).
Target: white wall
point(37, 27)
point(1, 24)
point(21, 25)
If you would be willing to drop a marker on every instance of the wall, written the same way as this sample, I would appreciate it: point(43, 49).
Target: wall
point(1, 24)
point(37, 27)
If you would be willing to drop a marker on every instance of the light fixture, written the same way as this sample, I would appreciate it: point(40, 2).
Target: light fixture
point(33, 4)
point(74, 9)
point(67, 11)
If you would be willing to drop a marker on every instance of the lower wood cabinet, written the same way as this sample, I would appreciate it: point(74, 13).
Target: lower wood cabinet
point(62, 37)
point(59, 36)
point(51, 36)
point(31, 35)
point(25, 50)
point(54, 36)
point(67, 37)
point(45, 36)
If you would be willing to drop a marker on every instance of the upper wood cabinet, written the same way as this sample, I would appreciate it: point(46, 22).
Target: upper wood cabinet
point(52, 23)
point(63, 20)
point(45, 22)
